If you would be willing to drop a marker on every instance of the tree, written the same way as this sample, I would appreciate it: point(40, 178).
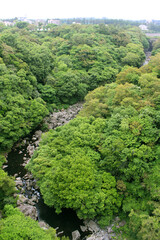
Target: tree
point(128, 74)
point(17, 226)
point(22, 24)
point(67, 171)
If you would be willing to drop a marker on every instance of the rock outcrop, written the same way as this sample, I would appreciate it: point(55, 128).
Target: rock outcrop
point(29, 210)
point(62, 117)
point(76, 235)
point(103, 234)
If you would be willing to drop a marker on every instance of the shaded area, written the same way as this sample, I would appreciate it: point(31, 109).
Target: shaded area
point(67, 221)
point(15, 161)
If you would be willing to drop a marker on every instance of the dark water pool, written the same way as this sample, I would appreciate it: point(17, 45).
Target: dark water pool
point(67, 221)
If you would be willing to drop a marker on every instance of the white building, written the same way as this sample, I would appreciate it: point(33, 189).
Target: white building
point(54, 21)
point(143, 27)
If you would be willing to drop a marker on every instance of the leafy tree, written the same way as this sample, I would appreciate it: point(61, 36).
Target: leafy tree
point(21, 24)
point(128, 74)
point(17, 226)
point(85, 189)
point(135, 55)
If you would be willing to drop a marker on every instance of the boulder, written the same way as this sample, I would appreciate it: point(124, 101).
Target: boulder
point(19, 182)
point(92, 226)
point(4, 166)
point(101, 235)
point(38, 134)
point(83, 228)
point(29, 210)
point(21, 199)
point(75, 235)
point(44, 225)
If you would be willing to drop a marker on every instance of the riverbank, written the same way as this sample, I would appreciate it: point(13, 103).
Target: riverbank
point(30, 201)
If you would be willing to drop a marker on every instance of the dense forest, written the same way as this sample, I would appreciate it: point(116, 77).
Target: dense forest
point(105, 162)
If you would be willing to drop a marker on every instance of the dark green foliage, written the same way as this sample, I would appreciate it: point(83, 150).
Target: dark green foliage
point(22, 24)
point(7, 186)
point(20, 111)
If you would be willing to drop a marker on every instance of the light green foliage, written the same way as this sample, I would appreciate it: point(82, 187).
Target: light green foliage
point(102, 101)
point(95, 104)
point(129, 148)
point(154, 64)
point(66, 166)
point(91, 164)
point(143, 226)
point(128, 74)
point(16, 226)
point(127, 145)
point(135, 55)
point(53, 56)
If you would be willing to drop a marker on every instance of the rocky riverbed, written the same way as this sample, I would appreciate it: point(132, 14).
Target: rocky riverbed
point(29, 193)
point(148, 55)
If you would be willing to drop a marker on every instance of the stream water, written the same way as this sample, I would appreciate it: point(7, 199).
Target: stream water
point(67, 221)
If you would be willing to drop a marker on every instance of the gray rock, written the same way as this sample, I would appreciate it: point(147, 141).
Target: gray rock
point(105, 237)
point(83, 228)
point(117, 219)
point(109, 229)
point(21, 199)
point(34, 199)
point(75, 235)
point(100, 235)
point(92, 226)
point(29, 210)
point(38, 134)
point(44, 225)
point(19, 182)
point(4, 166)
point(22, 190)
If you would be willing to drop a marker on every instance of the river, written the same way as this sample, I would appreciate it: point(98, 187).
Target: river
point(67, 221)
